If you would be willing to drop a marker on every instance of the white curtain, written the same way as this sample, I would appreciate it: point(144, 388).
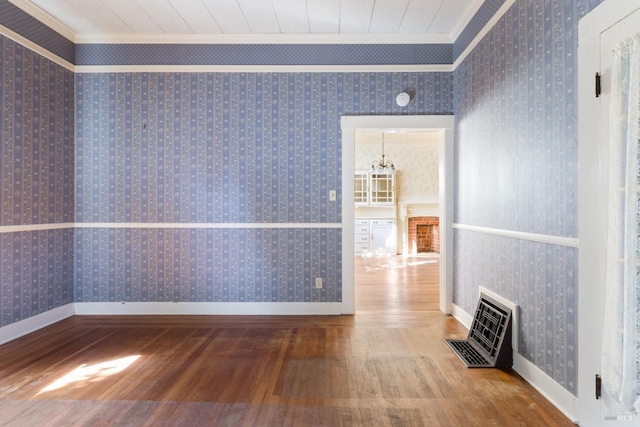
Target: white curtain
point(621, 340)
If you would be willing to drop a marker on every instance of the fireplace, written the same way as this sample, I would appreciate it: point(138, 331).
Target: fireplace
point(424, 234)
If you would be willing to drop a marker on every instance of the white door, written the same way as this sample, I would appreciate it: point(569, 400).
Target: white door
point(610, 23)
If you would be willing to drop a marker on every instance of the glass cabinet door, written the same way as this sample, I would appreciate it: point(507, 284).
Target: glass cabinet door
point(382, 188)
point(361, 188)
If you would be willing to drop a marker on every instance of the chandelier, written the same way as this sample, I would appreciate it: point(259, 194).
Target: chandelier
point(382, 165)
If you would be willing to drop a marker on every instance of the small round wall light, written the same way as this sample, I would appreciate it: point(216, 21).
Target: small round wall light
point(403, 99)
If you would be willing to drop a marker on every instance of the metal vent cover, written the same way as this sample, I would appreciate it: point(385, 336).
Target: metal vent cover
point(488, 344)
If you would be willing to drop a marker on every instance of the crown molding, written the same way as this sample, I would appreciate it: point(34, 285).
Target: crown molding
point(357, 39)
point(262, 39)
point(485, 30)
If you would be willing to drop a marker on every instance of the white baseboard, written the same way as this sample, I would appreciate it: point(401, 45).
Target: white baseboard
point(462, 316)
point(561, 398)
point(209, 308)
point(26, 326)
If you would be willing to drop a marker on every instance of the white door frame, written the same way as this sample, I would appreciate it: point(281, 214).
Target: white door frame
point(441, 123)
point(593, 199)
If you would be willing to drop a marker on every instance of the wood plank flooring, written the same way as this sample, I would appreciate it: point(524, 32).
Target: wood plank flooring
point(385, 366)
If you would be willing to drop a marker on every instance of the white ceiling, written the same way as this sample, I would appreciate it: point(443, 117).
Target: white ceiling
point(411, 21)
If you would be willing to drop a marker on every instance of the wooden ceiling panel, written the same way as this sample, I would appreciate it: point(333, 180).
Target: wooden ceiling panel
point(134, 16)
point(419, 15)
point(104, 18)
point(324, 16)
point(165, 16)
point(260, 16)
point(387, 16)
point(292, 16)
point(197, 16)
point(65, 12)
point(441, 20)
point(355, 16)
point(228, 15)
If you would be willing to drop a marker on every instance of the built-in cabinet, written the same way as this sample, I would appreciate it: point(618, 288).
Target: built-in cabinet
point(376, 236)
point(375, 198)
point(375, 189)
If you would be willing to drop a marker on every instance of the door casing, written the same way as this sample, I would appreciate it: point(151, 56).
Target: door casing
point(439, 123)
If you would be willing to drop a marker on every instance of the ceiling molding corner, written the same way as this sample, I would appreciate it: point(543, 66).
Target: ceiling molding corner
point(46, 19)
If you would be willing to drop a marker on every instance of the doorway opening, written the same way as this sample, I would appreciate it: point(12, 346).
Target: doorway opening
point(440, 125)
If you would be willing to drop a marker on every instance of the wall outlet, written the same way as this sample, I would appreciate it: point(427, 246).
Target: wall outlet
point(318, 282)
point(332, 195)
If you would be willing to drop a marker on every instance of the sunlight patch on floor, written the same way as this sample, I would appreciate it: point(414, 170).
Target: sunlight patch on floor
point(84, 374)
point(382, 263)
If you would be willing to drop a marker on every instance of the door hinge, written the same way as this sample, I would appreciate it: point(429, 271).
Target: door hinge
point(598, 86)
point(598, 386)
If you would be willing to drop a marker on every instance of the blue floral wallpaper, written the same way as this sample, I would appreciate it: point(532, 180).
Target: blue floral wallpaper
point(220, 148)
point(36, 182)
point(516, 158)
point(36, 273)
point(207, 265)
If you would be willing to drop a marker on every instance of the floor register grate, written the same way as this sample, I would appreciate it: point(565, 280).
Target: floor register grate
point(488, 344)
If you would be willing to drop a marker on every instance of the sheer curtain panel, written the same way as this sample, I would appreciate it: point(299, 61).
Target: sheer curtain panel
point(621, 340)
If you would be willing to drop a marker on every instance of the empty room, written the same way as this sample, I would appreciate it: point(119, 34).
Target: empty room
point(282, 212)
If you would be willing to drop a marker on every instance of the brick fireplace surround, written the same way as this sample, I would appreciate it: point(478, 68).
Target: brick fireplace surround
point(424, 234)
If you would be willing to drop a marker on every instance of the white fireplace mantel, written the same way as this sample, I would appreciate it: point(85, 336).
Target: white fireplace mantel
point(413, 209)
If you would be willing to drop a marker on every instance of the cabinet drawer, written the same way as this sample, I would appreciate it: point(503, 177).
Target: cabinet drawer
point(361, 229)
point(360, 248)
point(362, 238)
point(383, 222)
point(362, 222)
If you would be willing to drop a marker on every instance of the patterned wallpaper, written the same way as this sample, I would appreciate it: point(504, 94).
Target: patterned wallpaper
point(416, 157)
point(516, 160)
point(29, 27)
point(484, 14)
point(204, 265)
point(262, 54)
point(36, 273)
point(36, 182)
point(220, 148)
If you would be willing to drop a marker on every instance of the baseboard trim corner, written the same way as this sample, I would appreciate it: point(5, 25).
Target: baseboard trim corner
point(32, 324)
point(461, 316)
point(560, 397)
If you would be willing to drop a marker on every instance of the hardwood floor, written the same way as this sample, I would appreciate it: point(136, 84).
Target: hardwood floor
point(385, 366)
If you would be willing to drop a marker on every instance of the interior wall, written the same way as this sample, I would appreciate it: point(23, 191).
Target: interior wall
point(237, 156)
point(515, 101)
point(123, 244)
point(36, 183)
